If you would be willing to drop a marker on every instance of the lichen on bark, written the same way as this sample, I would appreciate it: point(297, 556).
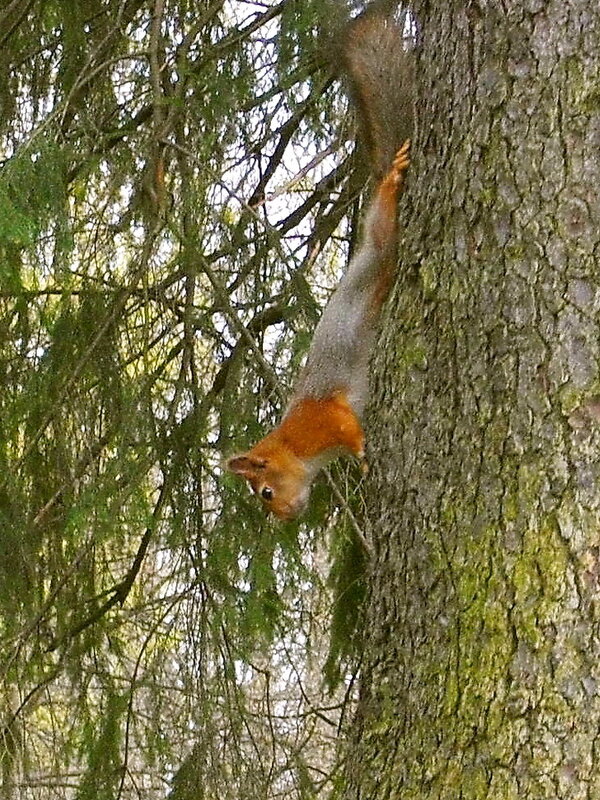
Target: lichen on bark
point(481, 668)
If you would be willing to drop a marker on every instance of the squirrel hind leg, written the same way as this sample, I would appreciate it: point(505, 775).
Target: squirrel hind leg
point(383, 223)
point(401, 160)
point(399, 166)
point(390, 185)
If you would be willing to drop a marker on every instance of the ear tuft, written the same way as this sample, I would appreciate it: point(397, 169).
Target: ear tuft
point(245, 465)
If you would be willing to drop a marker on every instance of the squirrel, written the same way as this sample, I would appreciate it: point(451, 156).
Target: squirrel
point(323, 417)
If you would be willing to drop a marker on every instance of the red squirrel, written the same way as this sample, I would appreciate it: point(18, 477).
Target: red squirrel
point(323, 417)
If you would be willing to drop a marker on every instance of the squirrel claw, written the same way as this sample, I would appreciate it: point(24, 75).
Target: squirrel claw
point(401, 160)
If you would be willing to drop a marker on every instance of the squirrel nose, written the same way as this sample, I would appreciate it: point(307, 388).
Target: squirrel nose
point(291, 510)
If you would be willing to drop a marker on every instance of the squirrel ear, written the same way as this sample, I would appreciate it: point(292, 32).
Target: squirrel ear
point(245, 465)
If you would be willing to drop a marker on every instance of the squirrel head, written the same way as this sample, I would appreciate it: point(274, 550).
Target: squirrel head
point(278, 479)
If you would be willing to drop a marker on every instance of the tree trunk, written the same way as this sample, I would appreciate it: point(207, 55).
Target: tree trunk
point(482, 660)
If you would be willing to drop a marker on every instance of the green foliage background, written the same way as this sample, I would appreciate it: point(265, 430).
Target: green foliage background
point(170, 172)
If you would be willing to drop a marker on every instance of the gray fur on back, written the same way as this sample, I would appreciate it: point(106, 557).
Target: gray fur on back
point(343, 339)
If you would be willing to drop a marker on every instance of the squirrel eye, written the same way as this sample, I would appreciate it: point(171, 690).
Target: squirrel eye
point(267, 493)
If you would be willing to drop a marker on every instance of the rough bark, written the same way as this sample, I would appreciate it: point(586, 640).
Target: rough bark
point(482, 661)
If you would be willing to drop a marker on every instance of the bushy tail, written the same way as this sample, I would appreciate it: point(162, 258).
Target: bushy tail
point(378, 61)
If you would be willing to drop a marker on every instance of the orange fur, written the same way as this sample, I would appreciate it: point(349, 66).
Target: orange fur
point(385, 225)
point(284, 461)
point(281, 466)
point(323, 418)
point(315, 426)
